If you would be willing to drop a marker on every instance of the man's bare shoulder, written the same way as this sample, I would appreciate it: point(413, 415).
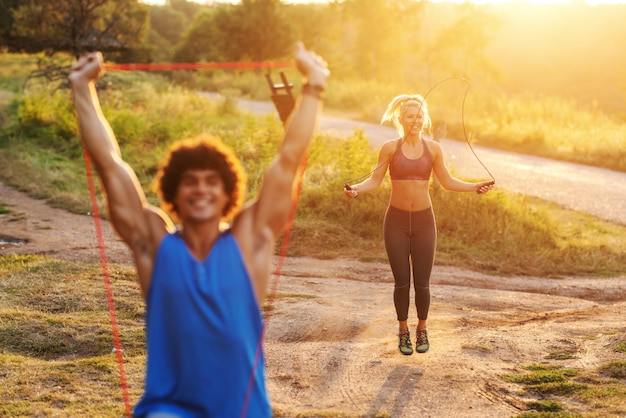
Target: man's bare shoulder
point(149, 230)
point(157, 215)
point(243, 223)
point(250, 236)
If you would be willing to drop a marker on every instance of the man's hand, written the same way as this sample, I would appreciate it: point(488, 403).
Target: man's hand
point(312, 66)
point(88, 68)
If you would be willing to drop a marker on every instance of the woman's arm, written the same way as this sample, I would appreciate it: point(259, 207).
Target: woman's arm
point(446, 179)
point(378, 174)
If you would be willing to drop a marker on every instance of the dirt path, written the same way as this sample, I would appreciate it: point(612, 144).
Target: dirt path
point(331, 343)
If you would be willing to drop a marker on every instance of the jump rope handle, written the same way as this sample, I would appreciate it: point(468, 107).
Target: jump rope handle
point(347, 188)
point(491, 183)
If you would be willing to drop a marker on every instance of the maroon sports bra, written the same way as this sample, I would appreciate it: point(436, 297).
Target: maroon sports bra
point(403, 168)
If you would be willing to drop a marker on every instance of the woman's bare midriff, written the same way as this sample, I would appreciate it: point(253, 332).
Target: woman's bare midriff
point(410, 195)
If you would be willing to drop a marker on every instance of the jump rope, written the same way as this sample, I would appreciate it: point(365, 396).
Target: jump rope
point(384, 163)
point(103, 259)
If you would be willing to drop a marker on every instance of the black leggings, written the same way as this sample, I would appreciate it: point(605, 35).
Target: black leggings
point(410, 239)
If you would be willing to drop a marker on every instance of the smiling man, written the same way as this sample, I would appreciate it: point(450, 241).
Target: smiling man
point(203, 285)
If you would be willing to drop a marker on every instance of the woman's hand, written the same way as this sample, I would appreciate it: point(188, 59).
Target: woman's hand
point(484, 187)
point(351, 192)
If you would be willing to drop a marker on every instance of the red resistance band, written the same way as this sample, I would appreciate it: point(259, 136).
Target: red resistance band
point(107, 284)
point(195, 66)
point(277, 273)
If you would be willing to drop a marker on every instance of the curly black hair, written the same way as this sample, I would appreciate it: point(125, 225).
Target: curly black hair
point(202, 152)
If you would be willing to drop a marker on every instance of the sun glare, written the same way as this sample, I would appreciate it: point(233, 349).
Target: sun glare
point(547, 2)
point(589, 2)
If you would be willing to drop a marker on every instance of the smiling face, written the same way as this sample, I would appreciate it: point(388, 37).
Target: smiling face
point(192, 174)
point(200, 196)
point(412, 118)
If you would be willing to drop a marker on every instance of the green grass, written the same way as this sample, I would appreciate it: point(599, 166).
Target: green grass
point(4, 210)
point(615, 369)
point(541, 373)
point(55, 339)
point(544, 406)
point(557, 391)
point(14, 70)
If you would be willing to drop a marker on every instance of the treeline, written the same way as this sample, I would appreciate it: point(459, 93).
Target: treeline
point(368, 39)
point(569, 50)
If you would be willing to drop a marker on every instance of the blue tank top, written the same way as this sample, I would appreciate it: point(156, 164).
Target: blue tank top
point(203, 327)
point(403, 168)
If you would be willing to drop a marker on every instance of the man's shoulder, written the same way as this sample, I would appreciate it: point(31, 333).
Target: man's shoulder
point(147, 235)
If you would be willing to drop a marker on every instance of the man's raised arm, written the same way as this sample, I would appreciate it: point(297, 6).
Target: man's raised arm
point(275, 196)
point(125, 198)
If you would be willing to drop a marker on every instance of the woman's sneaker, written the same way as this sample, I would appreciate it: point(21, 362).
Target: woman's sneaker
point(421, 342)
point(404, 343)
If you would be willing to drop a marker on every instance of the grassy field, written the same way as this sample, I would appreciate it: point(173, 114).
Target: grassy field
point(56, 357)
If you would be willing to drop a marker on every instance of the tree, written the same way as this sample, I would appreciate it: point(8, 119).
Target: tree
point(258, 31)
point(254, 30)
point(460, 46)
point(379, 36)
point(6, 19)
point(77, 25)
point(202, 41)
point(189, 8)
point(168, 22)
point(320, 27)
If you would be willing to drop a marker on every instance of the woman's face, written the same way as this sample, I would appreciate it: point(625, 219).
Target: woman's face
point(412, 118)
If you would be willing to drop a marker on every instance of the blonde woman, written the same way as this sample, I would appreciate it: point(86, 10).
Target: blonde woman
point(410, 231)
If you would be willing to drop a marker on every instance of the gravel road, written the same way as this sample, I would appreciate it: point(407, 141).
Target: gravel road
point(593, 190)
